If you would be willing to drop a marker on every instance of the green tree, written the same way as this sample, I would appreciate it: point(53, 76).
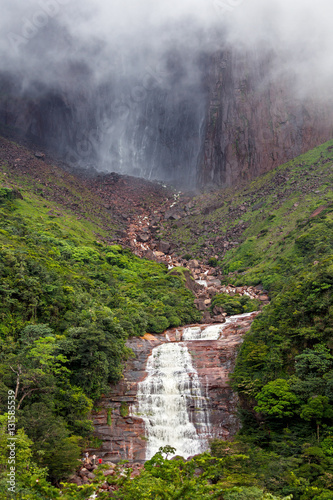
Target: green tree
point(276, 400)
point(317, 409)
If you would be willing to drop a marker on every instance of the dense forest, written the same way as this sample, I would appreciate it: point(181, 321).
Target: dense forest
point(69, 301)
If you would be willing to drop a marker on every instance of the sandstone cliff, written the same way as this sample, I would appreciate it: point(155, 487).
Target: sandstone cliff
point(213, 120)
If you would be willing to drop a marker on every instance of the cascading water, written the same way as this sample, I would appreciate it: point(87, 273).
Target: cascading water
point(171, 388)
point(172, 385)
point(213, 332)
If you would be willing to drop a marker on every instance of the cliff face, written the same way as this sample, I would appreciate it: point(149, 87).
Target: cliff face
point(123, 436)
point(201, 120)
point(256, 119)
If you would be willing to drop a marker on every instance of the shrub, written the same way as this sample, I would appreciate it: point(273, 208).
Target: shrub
point(235, 305)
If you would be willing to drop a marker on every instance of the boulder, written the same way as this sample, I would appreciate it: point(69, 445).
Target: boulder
point(75, 480)
point(206, 318)
point(142, 237)
point(213, 281)
point(219, 319)
point(171, 216)
point(39, 155)
point(211, 291)
point(164, 246)
point(200, 304)
point(109, 472)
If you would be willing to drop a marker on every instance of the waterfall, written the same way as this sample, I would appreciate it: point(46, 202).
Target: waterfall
point(170, 388)
point(212, 332)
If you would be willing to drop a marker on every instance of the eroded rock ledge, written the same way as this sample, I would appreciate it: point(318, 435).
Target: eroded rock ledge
point(123, 435)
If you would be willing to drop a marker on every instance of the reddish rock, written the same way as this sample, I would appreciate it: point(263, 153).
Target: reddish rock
point(124, 438)
point(200, 304)
point(218, 319)
point(143, 237)
point(193, 264)
point(318, 211)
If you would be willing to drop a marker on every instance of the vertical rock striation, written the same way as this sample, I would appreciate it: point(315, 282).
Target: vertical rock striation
point(200, 119)
point(256, 118)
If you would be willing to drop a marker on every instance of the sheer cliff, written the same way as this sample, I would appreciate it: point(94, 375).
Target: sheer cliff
point(256, 118)
point(209, 118)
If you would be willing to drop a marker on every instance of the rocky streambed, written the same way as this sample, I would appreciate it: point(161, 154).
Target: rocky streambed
point(124, 433)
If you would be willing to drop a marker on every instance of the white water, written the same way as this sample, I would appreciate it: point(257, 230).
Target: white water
point(211, 332)
point(172, 385)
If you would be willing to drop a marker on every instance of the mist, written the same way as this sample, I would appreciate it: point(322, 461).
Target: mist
point(130, 76)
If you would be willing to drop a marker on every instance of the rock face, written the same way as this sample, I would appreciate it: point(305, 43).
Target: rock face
point(211, 120)
point(256, 120)
point(123, 435)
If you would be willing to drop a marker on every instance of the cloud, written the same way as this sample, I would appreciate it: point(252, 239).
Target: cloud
point(39, 34)
point(133, 72)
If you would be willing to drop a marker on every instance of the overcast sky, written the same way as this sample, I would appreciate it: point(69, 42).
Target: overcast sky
point(300, 30)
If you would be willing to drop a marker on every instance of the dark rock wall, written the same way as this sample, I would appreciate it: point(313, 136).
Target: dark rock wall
point(201, 120)
point(256, 118)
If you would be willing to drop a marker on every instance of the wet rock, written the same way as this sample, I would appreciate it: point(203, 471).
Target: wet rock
point(213, 360)
point(218, 319)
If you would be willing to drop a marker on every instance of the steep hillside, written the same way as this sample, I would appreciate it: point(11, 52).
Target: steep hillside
point(262, 213)
point(69, 301)
point(277, 232)
point(71, 296)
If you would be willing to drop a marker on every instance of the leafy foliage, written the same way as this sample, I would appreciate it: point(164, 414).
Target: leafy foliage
point(234, 304)
point(68, 305)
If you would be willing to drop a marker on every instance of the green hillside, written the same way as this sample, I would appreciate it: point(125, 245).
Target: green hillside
point(282, 226)
point(69, 301)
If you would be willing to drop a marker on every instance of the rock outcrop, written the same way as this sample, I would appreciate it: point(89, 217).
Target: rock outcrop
point(123, 435)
